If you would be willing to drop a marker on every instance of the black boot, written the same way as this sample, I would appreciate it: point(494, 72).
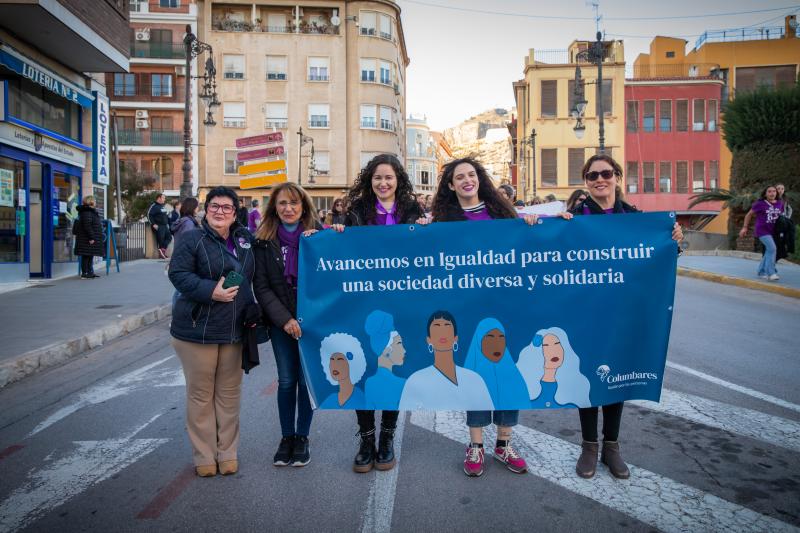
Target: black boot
point(385, 459)
point(365, 458)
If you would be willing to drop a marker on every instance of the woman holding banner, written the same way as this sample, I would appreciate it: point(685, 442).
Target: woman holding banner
point(382, 195)
point(466, 192)
point(288, 215)
point(601, 175)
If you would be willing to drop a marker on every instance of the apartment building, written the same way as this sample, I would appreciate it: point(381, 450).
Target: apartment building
point(330, 75)
point(545, 99)
point(149, 100)
point(421, 147)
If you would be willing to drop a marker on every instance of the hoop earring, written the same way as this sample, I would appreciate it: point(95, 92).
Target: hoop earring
point(430, 348)
point(455, 346)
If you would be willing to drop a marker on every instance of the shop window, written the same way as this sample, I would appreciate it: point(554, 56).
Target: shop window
point(65, 201)
point(12, 214)
point(36, 105)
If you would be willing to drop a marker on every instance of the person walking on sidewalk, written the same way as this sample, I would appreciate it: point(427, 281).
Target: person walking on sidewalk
point(88, 230)
point(159, 223)
point(787, 209)
point(767, 209)
point(208, 326)
point(601, 176)
point(289, 215)
point(254, 217)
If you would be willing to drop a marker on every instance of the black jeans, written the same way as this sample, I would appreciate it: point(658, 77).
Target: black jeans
point(612, 416)
point(366, 420)
point(86, 265)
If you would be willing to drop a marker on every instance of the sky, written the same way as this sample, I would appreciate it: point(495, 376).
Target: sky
point(463, 62)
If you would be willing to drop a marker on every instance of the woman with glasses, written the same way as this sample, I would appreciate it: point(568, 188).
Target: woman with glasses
point(602, 175)
point(212, 269)
point(289, 214)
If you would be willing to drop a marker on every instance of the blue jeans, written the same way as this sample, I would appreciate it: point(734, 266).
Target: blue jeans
point(767, 265)
point(479, 419)
point(292, 390)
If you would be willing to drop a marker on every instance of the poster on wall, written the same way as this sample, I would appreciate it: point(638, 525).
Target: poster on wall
point(488, 315)
point(6, 188)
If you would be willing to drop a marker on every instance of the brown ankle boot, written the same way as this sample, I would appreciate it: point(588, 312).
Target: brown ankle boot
point(587, 462)
point(613, 460)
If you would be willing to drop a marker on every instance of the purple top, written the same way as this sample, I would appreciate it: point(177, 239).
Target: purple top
point(586, 210)
point(479, 212)
point(380, 220)
point(230, 245)
point(384, 217)
point(766, 216)
point(253, 219)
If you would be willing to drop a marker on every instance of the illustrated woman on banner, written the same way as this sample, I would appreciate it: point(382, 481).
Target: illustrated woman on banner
point(383, 388)
point(444, 385)
point(552, 373)
point(344, 364)
point(488, 355)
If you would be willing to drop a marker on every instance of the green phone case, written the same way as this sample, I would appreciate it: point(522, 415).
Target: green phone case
point(232, 279)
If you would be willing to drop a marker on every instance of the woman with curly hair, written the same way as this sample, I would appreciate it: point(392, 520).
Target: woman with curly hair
point(382, 195)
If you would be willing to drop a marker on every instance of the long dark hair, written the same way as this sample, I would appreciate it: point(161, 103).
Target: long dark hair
point(362, 197)
point(188, 207)
point(445, 203)
point(764, 192)
point(573, 198)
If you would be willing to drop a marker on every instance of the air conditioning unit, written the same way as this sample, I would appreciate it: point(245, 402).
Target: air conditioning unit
point(141, 113)
point(180, 70)
point(143, 34)
point(142, 124)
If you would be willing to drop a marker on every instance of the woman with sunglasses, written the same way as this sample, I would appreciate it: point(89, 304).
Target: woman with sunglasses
point(601, 175)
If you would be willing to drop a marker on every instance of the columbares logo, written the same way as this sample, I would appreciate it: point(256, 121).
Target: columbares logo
point(624, 380)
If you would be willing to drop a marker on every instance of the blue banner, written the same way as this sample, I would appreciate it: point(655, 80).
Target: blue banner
point(488, 315)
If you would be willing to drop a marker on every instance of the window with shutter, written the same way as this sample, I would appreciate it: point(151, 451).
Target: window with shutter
point(682, 115)
point(698, 176)
point(699, 115)
point(713, 174)
point(318, 68)
point(665, 177)
point(682, 176)
point(318, 115)
point(576, 159)
point(632, 116)
point(233, 67)
point(549, 98)
point(233, 115)
point(665, 116)
point(649, 176)
point(549, 157)
point(712, 115)
point(649, 119)
point(276, 115)
point(608, 98)
point(369, 116)
point(632, 177)
point(276, 67)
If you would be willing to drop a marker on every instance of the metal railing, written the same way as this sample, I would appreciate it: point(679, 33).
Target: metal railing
point(148, 137)
point(692, 70)
point(147, 92)
point(151, 50)
point(740, 34)
point(131, 239)
point(222, 23)
point(567, 57)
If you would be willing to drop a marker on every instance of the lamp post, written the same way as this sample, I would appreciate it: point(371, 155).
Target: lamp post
point(530, 141)
point(303, 140)
point(193, 48)
point(593, 54)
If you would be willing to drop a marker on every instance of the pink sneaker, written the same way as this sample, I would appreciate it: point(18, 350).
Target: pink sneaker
point(510, 457)
point(473, 463)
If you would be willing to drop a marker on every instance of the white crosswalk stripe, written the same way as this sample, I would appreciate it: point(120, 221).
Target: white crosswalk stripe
point(649, 497)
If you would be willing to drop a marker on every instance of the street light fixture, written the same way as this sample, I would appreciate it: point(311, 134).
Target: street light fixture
point(304, 139)
point(595, 53)
point(530, 140)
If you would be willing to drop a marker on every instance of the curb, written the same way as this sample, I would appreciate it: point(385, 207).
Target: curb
point(739, 254)
point(739, 282)
point(33, 361)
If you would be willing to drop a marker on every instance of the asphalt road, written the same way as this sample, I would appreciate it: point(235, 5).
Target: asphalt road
point(99, 445)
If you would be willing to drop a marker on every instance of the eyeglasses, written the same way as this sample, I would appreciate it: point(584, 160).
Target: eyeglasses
point(605, 174)
point(226, 209)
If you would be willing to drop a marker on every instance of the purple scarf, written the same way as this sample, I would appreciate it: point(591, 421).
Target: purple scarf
point(290, 246)
point(389, 220)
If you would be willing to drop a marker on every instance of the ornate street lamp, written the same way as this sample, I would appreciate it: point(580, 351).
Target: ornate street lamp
point(595, 53)
point(304, 139)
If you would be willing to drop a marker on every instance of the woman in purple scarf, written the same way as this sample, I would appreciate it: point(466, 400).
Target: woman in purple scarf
point(382, 195)
point(289, 214)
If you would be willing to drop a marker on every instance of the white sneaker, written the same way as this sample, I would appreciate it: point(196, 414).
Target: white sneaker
point(763, 276)
point(774, 277)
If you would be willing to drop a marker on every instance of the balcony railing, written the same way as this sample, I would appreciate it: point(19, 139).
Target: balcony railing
point(740, 34)
point(318, 77)
point(696, 70)
point(146, 92)
point(281, 76)
point(318, 123)
point(223, 23)
point(234, 122)
point(567, 57)
point(148, 137)
point(151, 50)
point(368, 123)
point(276, 123)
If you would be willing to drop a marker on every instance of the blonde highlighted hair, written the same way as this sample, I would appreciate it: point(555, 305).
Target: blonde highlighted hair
point(268, 228)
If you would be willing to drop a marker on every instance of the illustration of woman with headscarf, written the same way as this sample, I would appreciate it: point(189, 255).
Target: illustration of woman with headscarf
point(444, 385)
point(552, 372)
point(344, 364)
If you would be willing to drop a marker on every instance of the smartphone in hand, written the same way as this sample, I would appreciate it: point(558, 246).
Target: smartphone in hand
point(232, 279)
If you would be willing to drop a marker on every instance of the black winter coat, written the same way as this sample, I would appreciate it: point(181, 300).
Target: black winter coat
point(277, 299)
point(357, 215)
point(199, 260)
point(88, 227)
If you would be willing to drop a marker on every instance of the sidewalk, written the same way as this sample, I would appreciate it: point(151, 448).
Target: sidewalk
point(46, 323)
point(740, 271)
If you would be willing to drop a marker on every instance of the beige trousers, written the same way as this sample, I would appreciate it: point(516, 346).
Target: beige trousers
point(213, 392)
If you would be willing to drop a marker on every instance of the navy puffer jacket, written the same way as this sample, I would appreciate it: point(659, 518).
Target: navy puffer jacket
point(199, 260)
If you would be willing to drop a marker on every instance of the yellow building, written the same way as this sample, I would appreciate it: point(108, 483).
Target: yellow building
point(336, 69)
point(545, 99)
point(742, 58)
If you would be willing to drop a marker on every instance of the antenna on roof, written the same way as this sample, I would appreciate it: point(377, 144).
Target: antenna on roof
point(597, 16)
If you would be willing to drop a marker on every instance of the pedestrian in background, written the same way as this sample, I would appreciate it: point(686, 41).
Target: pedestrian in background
point(159, 223)
point(787, 209)
point(601, 176)
point(208, 326)
point(336, 214)
point(254, 217)
point(175, 214)
point(242, 213)
point(767, 209)
point(289, 214)
point(507, 191)
point(88, 230)
point(187, 220)
point(577, 197)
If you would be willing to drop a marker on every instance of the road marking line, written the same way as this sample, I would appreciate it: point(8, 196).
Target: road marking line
point(167, 495)
point(734, 386)
point(380, 504)
point(104, 392)
point(11, 450)
point(747, 422)
point(651, 498)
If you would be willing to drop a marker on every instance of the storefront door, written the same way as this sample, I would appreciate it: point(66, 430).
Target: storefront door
point(35, 170)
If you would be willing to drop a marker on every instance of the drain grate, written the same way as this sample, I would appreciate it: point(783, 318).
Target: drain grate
point(107, 306)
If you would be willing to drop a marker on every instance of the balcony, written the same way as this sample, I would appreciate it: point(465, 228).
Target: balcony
point(147, 137)
point(146, 92)
point(318, 123)
point(276, 123)
point(160, 6)
point(369, 123)
point(234, 122)
point(612, 54)
point(154, 50)
point(740, 34)
point(274, 19)
point(672, 71)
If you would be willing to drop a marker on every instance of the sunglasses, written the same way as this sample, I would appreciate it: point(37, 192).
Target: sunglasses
point(605, 174)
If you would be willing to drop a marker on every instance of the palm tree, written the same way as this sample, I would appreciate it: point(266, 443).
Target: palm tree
point(739, 203)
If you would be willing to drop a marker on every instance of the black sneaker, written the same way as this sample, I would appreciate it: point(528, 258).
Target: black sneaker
point(283, 457)
point(302, 451)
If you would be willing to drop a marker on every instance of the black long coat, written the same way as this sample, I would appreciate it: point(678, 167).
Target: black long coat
point(88, 227)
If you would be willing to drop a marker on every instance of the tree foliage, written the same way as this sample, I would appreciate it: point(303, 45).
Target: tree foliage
point(765, 115)
point(136, 197)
